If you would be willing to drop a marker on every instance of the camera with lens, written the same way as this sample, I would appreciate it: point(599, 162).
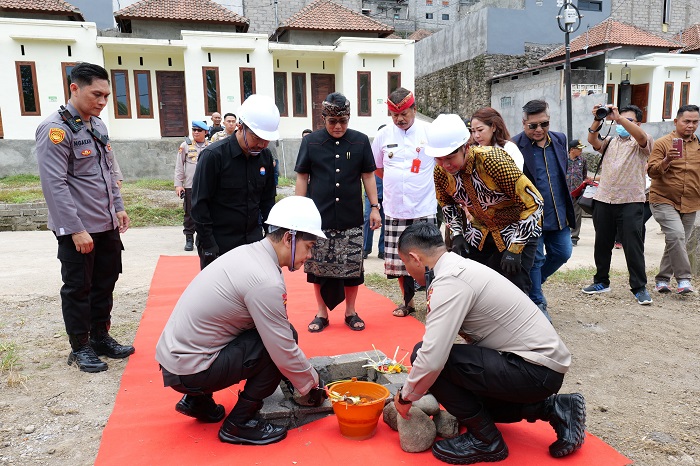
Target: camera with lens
point(601, 113)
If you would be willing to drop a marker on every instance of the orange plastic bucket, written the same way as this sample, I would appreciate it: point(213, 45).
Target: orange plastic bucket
point(359, 421)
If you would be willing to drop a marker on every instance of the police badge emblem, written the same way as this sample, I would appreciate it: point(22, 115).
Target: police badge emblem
point(56, 135)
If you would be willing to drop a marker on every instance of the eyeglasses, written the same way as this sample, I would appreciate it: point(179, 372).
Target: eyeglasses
point(335, 121)
point(197, 130)
point(543, 125)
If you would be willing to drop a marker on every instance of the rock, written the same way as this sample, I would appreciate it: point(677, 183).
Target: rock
point(390, 415)
point(686, 460)
point(446, 424)
point(418, 433)
point(428, 404)
point(661, 437)
point(51, 451)
point(29, 429)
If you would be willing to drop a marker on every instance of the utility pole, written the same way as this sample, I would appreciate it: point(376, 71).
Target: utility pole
point(572, 21)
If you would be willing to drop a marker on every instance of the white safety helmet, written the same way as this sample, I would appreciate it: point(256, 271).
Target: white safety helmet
point(446, 134)
point(260, 114)
point(296, 213)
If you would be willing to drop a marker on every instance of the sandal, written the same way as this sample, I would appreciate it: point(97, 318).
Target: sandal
point(405, 311)
point(353, 320)
point(320, 323)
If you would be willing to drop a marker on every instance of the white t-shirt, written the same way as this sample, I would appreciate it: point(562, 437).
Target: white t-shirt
point(407, 194)
point(514, 153)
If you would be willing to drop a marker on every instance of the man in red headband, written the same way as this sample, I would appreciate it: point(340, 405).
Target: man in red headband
point(409, 191)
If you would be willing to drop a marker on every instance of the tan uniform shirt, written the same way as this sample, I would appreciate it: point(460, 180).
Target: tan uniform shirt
point(679, 184)
point(186, 162)
point(471, 300)
point(622, 179)
point(241, 290)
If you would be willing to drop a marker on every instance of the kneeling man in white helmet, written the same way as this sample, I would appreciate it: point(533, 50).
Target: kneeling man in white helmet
point(231, 324)
point(508, 367)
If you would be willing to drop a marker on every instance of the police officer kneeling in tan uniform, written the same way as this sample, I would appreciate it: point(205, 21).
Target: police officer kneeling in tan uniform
point(230, 325)
point(509, 369)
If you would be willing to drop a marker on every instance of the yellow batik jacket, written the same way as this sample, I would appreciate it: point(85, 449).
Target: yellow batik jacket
point(499, 198)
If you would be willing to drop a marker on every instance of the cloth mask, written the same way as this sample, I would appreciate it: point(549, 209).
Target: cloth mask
point(621, 131)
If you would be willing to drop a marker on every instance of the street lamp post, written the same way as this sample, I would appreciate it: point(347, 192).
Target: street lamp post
point(568, 12)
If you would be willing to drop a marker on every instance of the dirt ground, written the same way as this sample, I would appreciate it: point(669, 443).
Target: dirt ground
point(636, 365)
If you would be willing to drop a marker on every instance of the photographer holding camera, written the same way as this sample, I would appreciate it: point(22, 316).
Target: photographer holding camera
point(619, 200)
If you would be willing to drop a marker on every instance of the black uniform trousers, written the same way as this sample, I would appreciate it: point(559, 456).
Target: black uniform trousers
point(245, 358)
point(88, 280)
point(490, 256)
point(188, 222)
point(628, 219)
point(501, 382)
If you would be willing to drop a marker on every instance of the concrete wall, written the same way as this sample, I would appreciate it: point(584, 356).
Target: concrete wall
point(171, 30)
point(317, 37)
point(448, 47)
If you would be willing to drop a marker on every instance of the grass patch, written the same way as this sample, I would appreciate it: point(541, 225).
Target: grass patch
point(285, 182)
point(8, 356)
point(142, 215)
point(149, 183)
point(18, 189)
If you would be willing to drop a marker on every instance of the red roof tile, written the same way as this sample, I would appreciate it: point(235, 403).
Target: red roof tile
point(691, 38)
point(325, 15)
point(612, 32)
point(181, 10)
point(420, 34)
point(42, 6)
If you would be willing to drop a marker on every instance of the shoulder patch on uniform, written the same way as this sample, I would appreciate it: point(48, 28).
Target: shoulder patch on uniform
point(57, 135)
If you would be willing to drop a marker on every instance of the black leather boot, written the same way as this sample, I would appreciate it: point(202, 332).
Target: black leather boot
point(567, 415)
point(189, 242)
point(83, 356)
point(481, 443)
point(243, 428)
point(105, 345)
point(202, 407)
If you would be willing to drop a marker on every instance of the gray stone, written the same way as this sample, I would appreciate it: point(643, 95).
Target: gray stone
point(417, 433)
point(428, 404)
point(390, 416)
point(446, 424)
point(661, 437)
point(29, 429)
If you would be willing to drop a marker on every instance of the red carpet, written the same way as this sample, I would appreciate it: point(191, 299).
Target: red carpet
point(145, 429)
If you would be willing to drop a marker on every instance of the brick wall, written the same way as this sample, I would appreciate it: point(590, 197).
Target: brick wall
point(463, 88)
point(23, 217)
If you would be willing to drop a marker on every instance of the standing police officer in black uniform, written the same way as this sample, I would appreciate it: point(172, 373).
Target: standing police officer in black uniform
point(86, 213)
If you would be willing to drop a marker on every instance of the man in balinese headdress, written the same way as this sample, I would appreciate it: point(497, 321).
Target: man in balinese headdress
point(409, 191)
point(339, 162)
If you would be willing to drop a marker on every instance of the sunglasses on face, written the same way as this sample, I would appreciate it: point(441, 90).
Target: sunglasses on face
point(197, 130)
point(544, 124)
point(335, 121)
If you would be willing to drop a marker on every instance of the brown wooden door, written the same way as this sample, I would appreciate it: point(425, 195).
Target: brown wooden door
point(321, 86)
point(640, 98)
point(172, 102)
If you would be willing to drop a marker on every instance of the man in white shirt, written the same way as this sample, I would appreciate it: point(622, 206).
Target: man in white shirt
point(409, 190)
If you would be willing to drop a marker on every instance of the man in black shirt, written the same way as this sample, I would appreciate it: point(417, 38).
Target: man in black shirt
point(339, 162)
point(234, 187)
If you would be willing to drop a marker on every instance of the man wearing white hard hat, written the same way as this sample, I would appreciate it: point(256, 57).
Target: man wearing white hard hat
point(505, 207)
point(231, 324)
point(234, 185)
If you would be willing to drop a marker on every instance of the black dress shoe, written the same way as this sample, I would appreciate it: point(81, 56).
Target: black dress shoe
point(86, 360)
point(189, 243)
point(203, 408)
point(108, 346)
point(253, 432)
point(365, 254)
point(380, 255)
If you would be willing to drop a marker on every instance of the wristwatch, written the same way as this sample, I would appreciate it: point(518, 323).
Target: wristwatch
point(377, 205)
